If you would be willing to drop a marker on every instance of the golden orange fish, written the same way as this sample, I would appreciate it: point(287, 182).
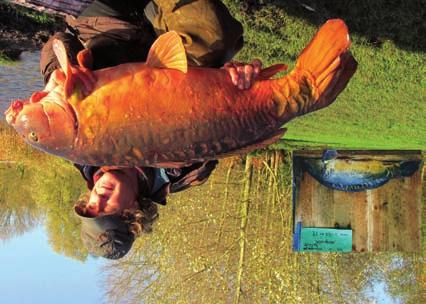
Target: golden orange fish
point(164, 114)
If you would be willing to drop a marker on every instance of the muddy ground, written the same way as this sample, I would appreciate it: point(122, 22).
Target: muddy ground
point(22, 29)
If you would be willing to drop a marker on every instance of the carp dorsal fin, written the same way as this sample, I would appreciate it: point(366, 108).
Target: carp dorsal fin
point(168, 52)
point(267, 73)
point(257, 145)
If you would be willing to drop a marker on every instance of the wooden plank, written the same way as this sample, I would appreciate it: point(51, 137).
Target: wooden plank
point(411, 205)
point(379, 218)
point(304, 203)
point(342, 209)
point(388, 218)
point(322, 204)
point(393, 199)
point(359, 221)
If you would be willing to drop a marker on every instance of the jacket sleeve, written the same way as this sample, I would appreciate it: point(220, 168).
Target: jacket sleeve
point(210, 34)
point(87, 173)
point(48, 60)
point(193, 175)
point(180, 179)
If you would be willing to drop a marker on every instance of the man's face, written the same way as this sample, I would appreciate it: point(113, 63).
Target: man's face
point(113, 192)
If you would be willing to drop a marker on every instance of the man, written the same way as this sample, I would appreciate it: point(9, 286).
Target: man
point(121, 205)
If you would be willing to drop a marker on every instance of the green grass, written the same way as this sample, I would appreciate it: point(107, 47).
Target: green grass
point(4, 59)
point(383, 107)
point(22, 17)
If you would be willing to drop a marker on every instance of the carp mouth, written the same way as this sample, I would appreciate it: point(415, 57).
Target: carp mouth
point(40, 97)
point(14, 109)
point(47, 99)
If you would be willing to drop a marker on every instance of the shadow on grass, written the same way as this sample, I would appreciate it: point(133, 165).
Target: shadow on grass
point(377, 20)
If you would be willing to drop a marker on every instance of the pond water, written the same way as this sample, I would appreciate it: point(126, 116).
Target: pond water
point(226, 241)
point(19, 80)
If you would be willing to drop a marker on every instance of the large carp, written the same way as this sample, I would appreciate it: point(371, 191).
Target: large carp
point(345, 174)
point(163, 114)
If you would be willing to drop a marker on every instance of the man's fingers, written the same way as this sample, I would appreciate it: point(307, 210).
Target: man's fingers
point(257, 63)
point(90, 74)
point(257, 66)
point(86, 84)
point(228, 65)
point(248, 73)
point(234, 75)
point(241, 74)
point(241, 77)
point(231, 68)
point(85, 80)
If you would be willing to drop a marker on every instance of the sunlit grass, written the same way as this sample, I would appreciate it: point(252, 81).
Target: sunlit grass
point(43, 186)
point(13, 147)
point(229, 241)
point(383, 107)
point(5, 60)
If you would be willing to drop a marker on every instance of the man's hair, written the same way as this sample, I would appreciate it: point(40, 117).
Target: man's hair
point(140, 220)
point(115, 241)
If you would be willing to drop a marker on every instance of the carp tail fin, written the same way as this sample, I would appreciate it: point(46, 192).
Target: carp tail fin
point(61, 54)
point(407, 168)
point(328, 60)
point(323, 69)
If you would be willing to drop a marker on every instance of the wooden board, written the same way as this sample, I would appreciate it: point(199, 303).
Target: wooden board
point(388, 218)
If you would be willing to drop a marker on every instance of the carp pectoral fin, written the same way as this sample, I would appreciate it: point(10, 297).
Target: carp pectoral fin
point(258, 145)
point(269, 72)
point(168, 52)
point(61, 54)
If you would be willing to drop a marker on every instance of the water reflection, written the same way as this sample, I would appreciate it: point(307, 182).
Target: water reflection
point(229, 238)
point(41, 252)
point(19, 80)
point(18, 211)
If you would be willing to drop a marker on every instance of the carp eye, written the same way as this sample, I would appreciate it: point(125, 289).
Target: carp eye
point(33, 136)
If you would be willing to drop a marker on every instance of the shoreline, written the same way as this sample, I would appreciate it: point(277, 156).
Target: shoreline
point(23, 29)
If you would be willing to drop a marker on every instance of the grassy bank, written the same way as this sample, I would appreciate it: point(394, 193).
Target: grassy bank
point(383, 106)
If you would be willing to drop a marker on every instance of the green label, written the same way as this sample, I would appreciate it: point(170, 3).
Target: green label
point(325, 240)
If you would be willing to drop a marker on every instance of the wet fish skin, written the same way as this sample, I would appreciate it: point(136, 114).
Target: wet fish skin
point(164, 116)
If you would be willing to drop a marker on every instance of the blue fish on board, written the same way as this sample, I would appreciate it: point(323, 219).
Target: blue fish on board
point(350, 175)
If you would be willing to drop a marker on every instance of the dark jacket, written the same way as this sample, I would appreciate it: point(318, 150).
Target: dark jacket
point(155, 184)
point(211, 36)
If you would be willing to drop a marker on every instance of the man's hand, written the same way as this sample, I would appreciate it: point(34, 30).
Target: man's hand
point(83, 76)
point(79, 75)
point(242, 74)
